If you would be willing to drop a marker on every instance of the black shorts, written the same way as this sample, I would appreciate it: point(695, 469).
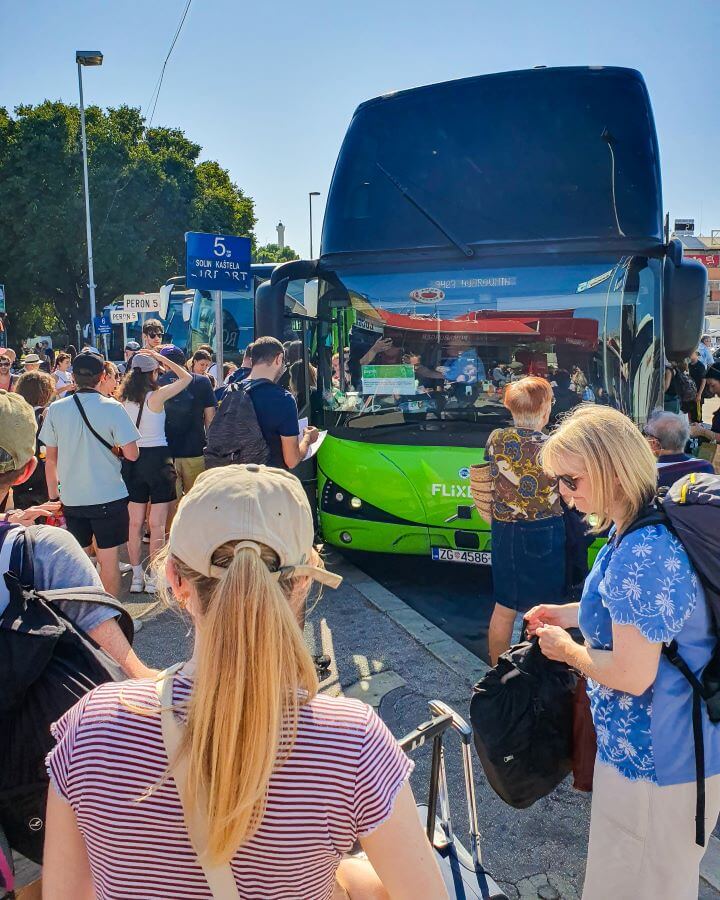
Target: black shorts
point(151, 477)
point(108, 523)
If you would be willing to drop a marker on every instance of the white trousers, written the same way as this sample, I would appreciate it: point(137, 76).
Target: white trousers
point(642, 838)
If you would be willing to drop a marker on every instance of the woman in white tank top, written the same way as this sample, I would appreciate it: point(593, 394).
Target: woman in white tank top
point(151, 479)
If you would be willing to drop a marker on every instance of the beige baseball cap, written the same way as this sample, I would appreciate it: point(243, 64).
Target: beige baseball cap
point(17, 431)
point(251, 504)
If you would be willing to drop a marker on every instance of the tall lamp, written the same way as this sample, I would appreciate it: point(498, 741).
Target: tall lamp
point(87, 58)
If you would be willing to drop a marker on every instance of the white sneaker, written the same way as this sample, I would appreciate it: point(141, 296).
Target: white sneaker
point(138, 584)
point(150, 584)
point(125, 567)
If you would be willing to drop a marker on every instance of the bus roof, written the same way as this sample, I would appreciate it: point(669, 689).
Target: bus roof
point(549, 155)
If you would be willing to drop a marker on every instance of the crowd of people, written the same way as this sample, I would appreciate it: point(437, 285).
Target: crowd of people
point(118, 446)
point(241, 728)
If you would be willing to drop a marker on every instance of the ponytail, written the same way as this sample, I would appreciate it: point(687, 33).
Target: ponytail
point(253, 674)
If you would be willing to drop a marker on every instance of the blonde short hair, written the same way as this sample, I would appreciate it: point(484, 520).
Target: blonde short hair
point(526, 399)
point(617, 458)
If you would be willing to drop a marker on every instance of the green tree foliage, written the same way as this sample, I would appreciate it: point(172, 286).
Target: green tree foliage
point(147, 189)
point(274, 253)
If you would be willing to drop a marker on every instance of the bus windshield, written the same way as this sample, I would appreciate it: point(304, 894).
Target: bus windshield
point(551, 154)
point(439, 346)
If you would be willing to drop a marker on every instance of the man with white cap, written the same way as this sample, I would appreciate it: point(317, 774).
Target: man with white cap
point(86, 436)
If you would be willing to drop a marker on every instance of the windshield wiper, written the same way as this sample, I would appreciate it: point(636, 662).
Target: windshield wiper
point(610, 140)
point(464, 248)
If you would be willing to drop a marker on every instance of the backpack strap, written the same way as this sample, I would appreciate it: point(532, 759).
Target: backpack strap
point(220, 878)
point(22, 558)
point(653, 514)
point(248, 385)
point(670, 652)
point(91, 596)
point(656, 515)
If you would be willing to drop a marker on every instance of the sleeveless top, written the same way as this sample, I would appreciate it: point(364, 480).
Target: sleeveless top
point(152, 424)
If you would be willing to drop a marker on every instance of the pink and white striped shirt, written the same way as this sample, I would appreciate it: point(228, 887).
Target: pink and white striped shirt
point(340, 782)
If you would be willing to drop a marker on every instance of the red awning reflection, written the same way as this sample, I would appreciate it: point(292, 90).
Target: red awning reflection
point(557, 326)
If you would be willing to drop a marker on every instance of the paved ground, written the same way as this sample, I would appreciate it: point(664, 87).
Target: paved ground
point(457, 598)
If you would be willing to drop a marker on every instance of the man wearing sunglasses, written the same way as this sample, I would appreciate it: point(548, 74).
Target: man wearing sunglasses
point(153, 333)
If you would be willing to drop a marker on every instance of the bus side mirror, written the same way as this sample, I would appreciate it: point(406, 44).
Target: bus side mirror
point(685, 290)
point(270, 309)
point(187, 310)
point(270, 296)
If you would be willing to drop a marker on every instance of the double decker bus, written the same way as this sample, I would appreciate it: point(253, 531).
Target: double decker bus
point(477, 231)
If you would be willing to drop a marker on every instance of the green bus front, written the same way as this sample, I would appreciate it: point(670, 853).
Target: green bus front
point(406, 424)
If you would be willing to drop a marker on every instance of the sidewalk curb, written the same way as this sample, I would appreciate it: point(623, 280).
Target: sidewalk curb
point(444, 648)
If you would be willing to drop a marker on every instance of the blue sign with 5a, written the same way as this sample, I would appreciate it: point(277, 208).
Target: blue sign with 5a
point(217, 262)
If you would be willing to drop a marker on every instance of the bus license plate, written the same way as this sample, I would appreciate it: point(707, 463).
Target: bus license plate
point(475, 557)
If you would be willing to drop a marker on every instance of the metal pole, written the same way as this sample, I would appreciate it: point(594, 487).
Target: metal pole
point(310, 196)
point(91, 274)
point(217, 296)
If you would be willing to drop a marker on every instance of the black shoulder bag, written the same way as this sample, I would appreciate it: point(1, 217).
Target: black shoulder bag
point(113, 448)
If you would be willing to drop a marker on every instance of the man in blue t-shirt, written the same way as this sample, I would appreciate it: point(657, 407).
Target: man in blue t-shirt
point(187, 417)
point(275, 407)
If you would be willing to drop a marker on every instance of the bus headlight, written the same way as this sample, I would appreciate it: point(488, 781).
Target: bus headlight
point(338, 501)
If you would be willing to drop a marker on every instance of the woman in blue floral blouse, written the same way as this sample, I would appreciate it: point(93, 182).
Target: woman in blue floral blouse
point(641, 593)
point(528, 530)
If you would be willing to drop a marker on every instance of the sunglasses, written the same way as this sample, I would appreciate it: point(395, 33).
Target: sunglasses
point(4, 365)
point(569, 482)
point(155, 333)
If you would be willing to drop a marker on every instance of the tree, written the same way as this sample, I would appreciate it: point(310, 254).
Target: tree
point(274, 253)
point(146, 189)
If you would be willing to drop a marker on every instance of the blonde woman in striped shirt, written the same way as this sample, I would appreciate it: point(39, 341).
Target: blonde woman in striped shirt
point(280, 782)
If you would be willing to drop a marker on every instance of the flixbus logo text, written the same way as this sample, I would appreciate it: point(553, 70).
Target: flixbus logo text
point(450, 490)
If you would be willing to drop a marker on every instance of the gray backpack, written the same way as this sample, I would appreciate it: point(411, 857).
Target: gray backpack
point(691, 511)
point(234, 435)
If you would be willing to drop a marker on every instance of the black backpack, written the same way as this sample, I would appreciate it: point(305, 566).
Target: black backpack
point(690, 509)
point(47, 664)
point(522, 718)
point(686, 387)
point(234, 435)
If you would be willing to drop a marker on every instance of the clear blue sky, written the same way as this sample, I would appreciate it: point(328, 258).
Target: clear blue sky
point(267, 88)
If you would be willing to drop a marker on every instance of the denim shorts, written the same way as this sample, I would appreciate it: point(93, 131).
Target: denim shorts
point(528, 562)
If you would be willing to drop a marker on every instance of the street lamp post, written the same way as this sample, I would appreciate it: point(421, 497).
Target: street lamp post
point(87, 58)
point(310, 198)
